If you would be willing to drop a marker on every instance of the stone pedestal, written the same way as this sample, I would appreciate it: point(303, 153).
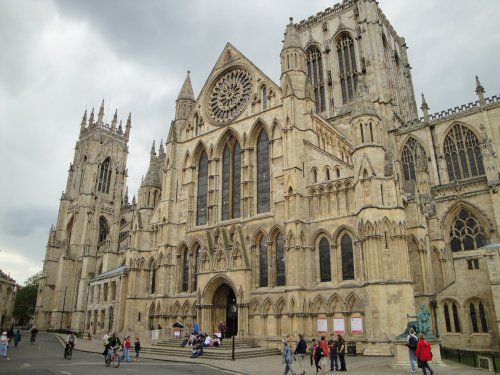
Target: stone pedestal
point(402, 357)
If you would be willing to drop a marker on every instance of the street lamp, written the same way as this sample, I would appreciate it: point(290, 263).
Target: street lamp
point(233, 310)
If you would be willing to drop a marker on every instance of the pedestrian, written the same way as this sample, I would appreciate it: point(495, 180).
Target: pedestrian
point(411, 343)
point(105, 342)
point(17, 338)
point(341, 352)
point(316, 355)
point(300, 352)
point(196, 328)
point(137, 347)
point(333, 348)
point(34, 332)
point(324, 349)
point(287, 357)
point(4, 342)
point(424, 354)
point(10, 333)
point(126, 349)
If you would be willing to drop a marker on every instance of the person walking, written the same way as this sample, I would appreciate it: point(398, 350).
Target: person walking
point(126, 349)
point(411, 343)
point(300, 352)
point(34, 332)
point(316, 355)
point(324, 348)
point(137, 347)
point(287, 357)
point(424, 354)
point(17, 338)
point(341, 352)
point(333, 346)
point(4, 342)
point(10, 334)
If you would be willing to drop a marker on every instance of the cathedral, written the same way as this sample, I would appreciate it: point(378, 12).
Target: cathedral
point(320, 203)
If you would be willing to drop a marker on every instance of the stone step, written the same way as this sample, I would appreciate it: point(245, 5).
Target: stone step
point(222, 353)
point(224, 344)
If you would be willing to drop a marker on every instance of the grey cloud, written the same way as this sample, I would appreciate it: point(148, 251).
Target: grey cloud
point(24, 221)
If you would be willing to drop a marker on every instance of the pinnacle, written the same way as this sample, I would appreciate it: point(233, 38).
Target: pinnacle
point(186, 92)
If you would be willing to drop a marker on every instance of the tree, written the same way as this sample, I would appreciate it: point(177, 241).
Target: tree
point(24, 305)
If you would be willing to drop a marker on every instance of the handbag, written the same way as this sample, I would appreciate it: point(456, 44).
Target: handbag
point(420, 363)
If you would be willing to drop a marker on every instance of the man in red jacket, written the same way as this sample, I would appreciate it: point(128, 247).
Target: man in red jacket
point(424, 354)
point(324, 347)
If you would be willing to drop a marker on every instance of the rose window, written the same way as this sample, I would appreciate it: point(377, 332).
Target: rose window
point(230, 95)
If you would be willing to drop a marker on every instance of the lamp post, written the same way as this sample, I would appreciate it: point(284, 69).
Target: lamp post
point(233, 310)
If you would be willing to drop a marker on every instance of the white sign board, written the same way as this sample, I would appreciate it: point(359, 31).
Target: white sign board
point(155, 333)
point(338, 325)
point(322, 325)
point(357, 325)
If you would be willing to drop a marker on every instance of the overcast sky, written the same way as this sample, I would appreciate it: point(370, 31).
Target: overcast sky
point(59, 57)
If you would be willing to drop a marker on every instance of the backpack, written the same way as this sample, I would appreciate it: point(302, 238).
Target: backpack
point(288, 356)
point(412, 342)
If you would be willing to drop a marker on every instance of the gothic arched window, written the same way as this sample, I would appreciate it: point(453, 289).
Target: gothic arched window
point(185, 271)
point(263, 178)
point(462, 153)
point(482, 317)
point(414, 159)
point(466, 232)
point(197, 257)
point(325, 273)
point(152, 269)
point(263, 263)
point(447, 318)
point(201, 205)
point(104, 176)
point(280, 260)
point(231, 179)
point(473, 318)
point(103, 229)
point(347, 257)
point(264, 97)
point(347, 67)
point(315, 73)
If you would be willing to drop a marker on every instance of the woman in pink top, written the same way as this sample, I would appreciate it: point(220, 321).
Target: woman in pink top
point(126, 349)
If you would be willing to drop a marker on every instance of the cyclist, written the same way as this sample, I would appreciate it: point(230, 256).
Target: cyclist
point(34, 331)
point(70, 343)
point(113, 342)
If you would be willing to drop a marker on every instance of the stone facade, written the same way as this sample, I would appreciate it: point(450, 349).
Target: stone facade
point(8, 289)
point(322, 203)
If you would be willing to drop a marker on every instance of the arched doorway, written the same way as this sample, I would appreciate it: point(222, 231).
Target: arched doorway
point(223, 300)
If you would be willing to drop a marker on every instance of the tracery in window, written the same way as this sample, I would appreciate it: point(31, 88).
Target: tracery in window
point(315, 73)
point(231, 179)
point(280, 260)
point(414, 159)
point(263, 262)
point(324, 260)
point(347, 67)
point(201, 205)
point(466, 233)
point(347, 257)
point(185, 271)
point(462, 153)
point(263, 178)
point(104, 176)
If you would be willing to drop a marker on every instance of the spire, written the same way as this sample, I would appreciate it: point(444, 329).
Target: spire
point(133, 200)
point(120, 128)
point(125, 197)
point(186, 90)
point(115, 120)
point(480, 91)
point(91, 120)
point(100, 116)
point(161, 152)
point(291, 36)
point(84, 121)
point(129, 125)
point(152, 177)
point(153, 151)
point(425, 109)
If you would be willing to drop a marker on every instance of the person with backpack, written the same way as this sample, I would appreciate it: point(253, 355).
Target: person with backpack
point(287, 357)
point(411, 343)
point(300, 352)
point(316, 355)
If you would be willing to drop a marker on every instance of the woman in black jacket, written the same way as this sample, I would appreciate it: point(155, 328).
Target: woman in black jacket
point(300, 352)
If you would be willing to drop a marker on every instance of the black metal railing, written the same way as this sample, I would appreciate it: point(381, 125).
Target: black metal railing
point(473, 358)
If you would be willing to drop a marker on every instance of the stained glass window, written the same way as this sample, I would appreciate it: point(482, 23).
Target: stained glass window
point(104, 176)
point(462, 153)
point(466, 232)
point(263, 178)
point(263, 263)
point(347, 67)
point(482, 317)
point(201, 213)
point(315, 73)
point(324, 260)
point(473, 318)
point(280, 261)
point(197, 257)
point(226, 179)
point(236, 193)
point(414, 159)
point(185, 271)
point(456, 321)
point(447, 318)
point(347, 257)
point(231, 179)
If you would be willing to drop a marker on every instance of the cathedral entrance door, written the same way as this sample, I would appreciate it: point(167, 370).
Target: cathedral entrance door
point(224, 298)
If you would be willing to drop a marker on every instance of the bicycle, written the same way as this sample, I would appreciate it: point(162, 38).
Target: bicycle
point(32, 339)
point(112, 357)
point(69, 352)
